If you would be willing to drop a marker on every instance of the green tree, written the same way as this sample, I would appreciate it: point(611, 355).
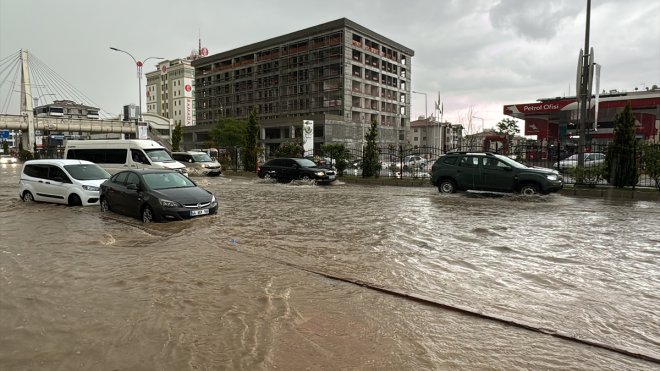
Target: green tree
point(229, 133)
point(370, 162)
point(251, 147)
point(5, 146)
point(177, 135)
point(651, 162)
point(620, 168)
point(507, 127)
point(289, 149)
point(339, 153)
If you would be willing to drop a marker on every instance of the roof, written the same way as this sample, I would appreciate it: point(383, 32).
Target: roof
point(307, 32)
point(58, 161)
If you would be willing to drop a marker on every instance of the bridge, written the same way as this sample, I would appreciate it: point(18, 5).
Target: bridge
point(28, 124)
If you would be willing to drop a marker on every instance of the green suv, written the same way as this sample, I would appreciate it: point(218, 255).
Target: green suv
point(485, 171)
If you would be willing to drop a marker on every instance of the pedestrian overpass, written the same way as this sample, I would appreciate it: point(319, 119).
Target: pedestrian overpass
point(28, 125)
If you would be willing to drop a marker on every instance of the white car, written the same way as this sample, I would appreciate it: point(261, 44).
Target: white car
point(590, 160)
point(68, 182)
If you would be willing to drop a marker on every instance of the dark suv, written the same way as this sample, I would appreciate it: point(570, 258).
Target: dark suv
point(485, 171)
point(288, 169)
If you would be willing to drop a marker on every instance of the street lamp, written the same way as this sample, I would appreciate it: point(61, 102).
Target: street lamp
point(482, 122)
point(426, 113)
point(139, 65)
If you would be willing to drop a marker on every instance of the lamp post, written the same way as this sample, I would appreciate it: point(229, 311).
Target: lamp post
point(139, 65)
point(482, 122)
point(426, 113)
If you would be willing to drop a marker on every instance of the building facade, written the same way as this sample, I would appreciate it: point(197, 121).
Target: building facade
point(338, 74)
point(170, 91)
point(443, 136)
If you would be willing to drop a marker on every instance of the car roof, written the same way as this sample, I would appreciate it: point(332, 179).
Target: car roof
point(150, 171)
point(57, 161)
point(189, 153)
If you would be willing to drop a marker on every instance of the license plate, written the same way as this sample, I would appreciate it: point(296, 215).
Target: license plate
point(199, 212)
point(331, 177)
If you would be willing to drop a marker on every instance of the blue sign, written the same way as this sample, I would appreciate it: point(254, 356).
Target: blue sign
point(5, 134)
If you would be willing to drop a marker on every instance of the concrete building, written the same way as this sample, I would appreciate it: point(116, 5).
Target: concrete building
point(442, 136)
point(170, 91)
point(338, 74)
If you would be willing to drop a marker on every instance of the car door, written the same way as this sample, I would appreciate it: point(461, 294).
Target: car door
point(495, 175)
point(467, 171)
point(290, 169)
point(113, 192)
point(56, 187)
point(131, 195)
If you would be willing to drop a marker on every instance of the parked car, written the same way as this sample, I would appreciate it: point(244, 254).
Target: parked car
point(485, 171)
point(198, 163)
point(571, 162)
point(69, 182)
point(412, 161)
point(288, 169)
point(156, 195)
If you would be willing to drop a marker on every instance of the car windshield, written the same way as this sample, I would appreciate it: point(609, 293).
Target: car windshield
point(572, 157)
point(159, 155)
point(87, 172)
point(166, 180)
point(201, 157)
point(305, 162)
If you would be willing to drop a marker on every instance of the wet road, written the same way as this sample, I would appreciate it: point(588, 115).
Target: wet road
point(82, 290)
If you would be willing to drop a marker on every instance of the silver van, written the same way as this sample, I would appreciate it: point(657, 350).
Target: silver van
point(198, 163)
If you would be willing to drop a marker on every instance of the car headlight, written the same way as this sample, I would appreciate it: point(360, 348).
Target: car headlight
point(168, 203)
point(213, 202)
point(205, 165)
point(320, 173)
point(90, 188)
point(552, 177)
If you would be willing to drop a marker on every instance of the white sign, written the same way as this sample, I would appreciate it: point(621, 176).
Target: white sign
point(142, 132)
point(308, 137)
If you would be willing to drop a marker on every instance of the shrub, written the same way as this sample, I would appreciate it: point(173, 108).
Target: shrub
point(590, 175)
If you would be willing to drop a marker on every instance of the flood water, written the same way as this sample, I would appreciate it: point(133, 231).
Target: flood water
point(252, 288)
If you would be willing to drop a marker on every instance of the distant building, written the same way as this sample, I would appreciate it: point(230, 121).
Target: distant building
point(431, 133)
point(170, 91)
point(339, 74)
point(62, 109)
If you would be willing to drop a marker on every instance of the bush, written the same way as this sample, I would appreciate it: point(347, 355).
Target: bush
point(590, 175)
point(651, 162)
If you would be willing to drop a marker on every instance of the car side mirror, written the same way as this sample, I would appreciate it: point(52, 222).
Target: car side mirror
point(58, 179)
point(508, 168)
point(132, 187)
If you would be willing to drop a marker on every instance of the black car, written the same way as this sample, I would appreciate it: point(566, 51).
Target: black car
point(485, 171)
point(156, 195)
point(288, 169)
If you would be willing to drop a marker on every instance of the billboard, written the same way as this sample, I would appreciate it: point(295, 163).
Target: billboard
point(308, 137)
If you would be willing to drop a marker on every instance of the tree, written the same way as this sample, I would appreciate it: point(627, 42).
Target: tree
point(5, 146)
point(370, 160)
point(177, 134)
point(251, 149)
point(508, 127)
point(620, 168)
point(229, 133)
point(651, 162)
point(290, 149)
point(339, 153)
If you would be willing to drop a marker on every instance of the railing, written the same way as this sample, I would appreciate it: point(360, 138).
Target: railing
point(402, 162)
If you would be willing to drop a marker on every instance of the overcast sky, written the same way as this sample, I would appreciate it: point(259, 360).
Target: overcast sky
point(478, 54)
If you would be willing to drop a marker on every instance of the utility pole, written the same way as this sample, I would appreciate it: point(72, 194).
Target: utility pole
point(584, 91)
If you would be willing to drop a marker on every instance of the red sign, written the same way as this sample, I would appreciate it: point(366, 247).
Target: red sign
point(532, 108)
point(188, 88)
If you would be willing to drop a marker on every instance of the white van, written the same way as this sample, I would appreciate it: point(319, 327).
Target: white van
point(69, 182)
point(115, 155)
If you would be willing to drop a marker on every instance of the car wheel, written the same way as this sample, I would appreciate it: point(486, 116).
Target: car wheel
point(305, 177)
point(267, 176)
point(529, 190)
point(27, 197)
point(147, 214)
point(74, 200)
point(447, 186)
point(105, 206)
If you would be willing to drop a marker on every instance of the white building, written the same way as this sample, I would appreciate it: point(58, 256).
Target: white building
point(171, 91)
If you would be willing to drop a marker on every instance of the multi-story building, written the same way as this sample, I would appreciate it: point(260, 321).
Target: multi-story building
point(340, 75)
point(170, 91)
point(442, 136)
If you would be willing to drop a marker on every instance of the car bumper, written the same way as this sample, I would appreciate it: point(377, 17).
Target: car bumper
point(185, 213)
point(90, 198)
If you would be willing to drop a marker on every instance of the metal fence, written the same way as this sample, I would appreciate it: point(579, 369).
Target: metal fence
point(401, 162)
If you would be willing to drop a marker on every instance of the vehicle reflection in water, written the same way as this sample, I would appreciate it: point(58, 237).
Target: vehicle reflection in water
point(85, 290)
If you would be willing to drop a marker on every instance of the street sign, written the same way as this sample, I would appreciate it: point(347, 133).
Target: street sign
point(5, 134)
